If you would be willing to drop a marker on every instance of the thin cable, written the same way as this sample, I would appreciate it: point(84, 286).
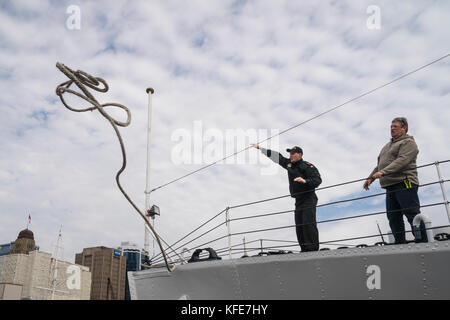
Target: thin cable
point(336, 202)
point(326, 187)
point(318, 222)
point(328, 242)
point(196, 230)
point(293, 243)
point(82, 79)
point(308, 120)
point(290, 211)
point(334, 220)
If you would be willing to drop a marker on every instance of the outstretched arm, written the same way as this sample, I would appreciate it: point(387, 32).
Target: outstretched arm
point(274, 156)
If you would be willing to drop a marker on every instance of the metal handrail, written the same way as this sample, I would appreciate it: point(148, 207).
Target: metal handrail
point(290, 211)
point(299, 225)
point(330, 242)
point(228, 220)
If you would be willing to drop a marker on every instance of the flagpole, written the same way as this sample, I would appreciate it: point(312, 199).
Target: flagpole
point(150, 92)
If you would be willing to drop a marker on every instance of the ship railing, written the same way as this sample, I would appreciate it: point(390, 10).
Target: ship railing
point(282, 245)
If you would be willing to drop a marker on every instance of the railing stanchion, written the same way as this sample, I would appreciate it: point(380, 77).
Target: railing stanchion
point(245, 250)
point(227, 217)
point(444, 195)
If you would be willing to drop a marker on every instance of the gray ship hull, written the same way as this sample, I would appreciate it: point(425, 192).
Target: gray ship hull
point(411, 271)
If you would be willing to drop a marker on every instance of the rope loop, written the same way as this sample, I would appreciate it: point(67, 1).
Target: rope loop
point(82, 80)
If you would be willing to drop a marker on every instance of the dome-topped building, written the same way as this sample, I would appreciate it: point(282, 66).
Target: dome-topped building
point(28, 234)
point(29, 274)
point(24, 243)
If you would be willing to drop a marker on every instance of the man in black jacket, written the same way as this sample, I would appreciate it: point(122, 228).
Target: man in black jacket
point(304, 178)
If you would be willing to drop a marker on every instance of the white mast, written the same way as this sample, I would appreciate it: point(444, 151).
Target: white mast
point(150, 92)
point(54, 279)
point(55, 270)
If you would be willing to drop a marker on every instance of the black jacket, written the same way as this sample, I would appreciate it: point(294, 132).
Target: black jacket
point(301, 168)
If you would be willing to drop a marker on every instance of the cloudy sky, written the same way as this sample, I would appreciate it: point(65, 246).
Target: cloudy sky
point(219, 68)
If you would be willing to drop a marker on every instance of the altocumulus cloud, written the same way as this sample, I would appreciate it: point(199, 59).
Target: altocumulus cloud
point(231, 65)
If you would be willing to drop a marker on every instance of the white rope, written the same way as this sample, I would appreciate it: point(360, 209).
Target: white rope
point(83, 80)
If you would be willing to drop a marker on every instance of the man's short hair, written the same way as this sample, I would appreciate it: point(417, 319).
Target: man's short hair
point(403, 121)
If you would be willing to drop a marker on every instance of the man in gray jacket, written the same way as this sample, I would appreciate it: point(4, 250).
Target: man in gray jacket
point(397, 172)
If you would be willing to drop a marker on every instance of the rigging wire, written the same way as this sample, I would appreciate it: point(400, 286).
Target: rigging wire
point(289, 211)
point(308, 120)
point(323, 188)
point(298, 225)
point(322, 221)
point(332, 203)
point(330, 242)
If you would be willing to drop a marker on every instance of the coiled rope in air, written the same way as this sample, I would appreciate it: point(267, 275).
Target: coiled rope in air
point(83, 80)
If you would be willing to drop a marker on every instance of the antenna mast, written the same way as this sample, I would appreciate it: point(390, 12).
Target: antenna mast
point(150, 92)
point(55, 270)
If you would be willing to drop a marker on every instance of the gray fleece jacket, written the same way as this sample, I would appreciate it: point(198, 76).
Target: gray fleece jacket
point(397, 161)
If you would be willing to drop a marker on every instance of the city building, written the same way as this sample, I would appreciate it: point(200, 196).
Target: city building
point(35, 275)
point(133, 254)
point(6, 248)
point(135, 257)
point(24, 243)
point(108, 270)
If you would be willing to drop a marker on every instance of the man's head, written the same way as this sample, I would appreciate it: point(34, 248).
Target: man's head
point(296, 154)
point(399, 127)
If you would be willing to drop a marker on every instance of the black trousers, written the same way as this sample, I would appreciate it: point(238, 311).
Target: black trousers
point(400, 201)
point(305, 222)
